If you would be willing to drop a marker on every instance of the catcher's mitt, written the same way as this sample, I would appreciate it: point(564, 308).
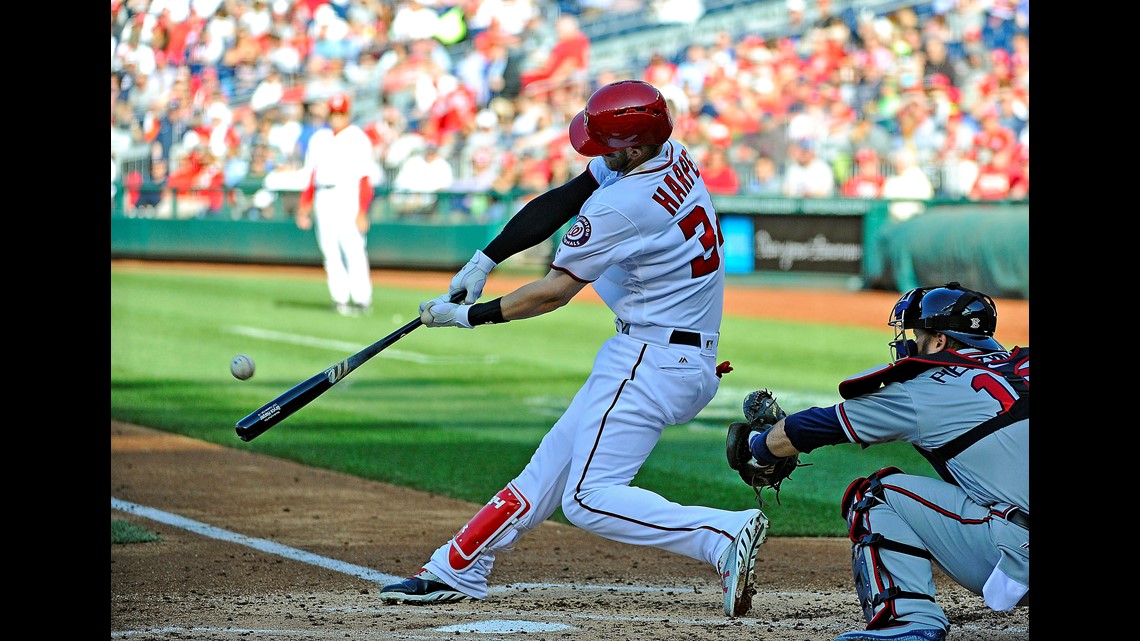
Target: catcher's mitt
point(762, 412)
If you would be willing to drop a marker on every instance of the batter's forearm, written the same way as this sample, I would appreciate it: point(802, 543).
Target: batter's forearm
point(530, 300)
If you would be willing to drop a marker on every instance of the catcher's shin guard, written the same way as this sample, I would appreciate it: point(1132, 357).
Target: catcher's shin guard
point(873, 582)
point(491, 523)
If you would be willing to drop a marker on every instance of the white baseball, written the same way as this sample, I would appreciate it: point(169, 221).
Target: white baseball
point(241, 367)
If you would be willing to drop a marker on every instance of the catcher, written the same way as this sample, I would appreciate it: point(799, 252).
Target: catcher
point(962, 401)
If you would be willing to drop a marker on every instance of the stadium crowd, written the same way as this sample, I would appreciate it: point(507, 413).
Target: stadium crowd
point(929, 100)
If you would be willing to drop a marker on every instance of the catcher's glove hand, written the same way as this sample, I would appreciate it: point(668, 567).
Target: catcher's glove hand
point(761, 408)
point(762, 412)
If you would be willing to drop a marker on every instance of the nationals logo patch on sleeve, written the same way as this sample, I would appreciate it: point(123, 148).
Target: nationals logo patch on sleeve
point(578, 234)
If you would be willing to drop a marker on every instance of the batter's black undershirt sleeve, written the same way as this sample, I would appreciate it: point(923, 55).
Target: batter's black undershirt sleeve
point(813, 427)
point(541, 217)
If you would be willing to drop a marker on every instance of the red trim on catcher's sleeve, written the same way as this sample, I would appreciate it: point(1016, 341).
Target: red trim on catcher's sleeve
point(366, 193)
point(310, 189)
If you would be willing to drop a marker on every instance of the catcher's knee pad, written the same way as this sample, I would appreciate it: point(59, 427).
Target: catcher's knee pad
point(488, 525)
point(873, 581)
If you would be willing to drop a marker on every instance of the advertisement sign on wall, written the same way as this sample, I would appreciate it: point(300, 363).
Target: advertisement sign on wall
point(817, 243)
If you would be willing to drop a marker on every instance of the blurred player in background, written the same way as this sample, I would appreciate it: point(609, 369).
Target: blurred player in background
point(647, 238)
point(342, 182)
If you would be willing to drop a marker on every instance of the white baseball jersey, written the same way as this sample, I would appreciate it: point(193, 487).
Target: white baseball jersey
point(340, 162)
point(650, 244)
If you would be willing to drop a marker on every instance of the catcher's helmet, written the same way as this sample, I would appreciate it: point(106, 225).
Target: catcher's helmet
point(622, 114)
point(960, 313)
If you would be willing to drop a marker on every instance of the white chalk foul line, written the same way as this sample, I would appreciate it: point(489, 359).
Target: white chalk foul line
point(346, 347)
point(263, 545)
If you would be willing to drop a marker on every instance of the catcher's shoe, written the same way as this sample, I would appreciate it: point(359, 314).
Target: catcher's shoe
point(905, 632)
point(420, 588)
point(737, 565)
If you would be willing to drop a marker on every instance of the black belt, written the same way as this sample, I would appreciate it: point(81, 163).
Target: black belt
point(1017, 517)
point(678, 337)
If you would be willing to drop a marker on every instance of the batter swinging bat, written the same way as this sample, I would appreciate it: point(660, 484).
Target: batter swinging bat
point(287, 404)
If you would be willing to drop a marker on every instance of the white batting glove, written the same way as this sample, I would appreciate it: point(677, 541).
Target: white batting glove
point(472, 277)
point(442, 314)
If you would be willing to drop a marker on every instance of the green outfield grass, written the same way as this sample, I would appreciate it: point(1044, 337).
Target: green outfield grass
point(451, 411)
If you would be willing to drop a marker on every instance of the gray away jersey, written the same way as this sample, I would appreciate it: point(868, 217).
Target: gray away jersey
point(940, 404)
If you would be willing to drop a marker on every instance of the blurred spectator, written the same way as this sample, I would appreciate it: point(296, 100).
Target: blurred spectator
point(567, 62)
point(152, 200)
point(908, 187)
point(692, 71)
point(807, 176)
point(956, 157)
point(865, 133)
point(363, 72)
point(198, 184)
point(510, 17)
point(765, 179)
point(114, 179)
point(326, 79)
point(268, 92)
point(660, 72)
point(993, 135)
point(722, 54)
point(413, 20)
point(1001, 178)
point(938, 63)
point(316, 113)
point(474, 182)
point(283, 130)
point(867, 178)
point(719, 176)
point(420, 178)
point(452, 113)
point(331, 36)
point(676, 11)
point(915, 128)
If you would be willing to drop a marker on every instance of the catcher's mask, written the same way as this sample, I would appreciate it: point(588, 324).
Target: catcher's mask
point(960, 313)
point(622, 114)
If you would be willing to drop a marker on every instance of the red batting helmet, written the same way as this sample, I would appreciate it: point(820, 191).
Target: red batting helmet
point(339, 104)
point(623, 114)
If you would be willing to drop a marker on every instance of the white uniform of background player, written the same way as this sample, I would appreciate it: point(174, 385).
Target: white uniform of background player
point(342, 179)
point(648, 239)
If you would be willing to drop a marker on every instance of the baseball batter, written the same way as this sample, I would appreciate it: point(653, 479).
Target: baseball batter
point(342, 175)
point(648, 239)
point(962, 400)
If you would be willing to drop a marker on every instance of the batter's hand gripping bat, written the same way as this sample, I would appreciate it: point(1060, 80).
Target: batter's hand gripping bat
point(287, 404)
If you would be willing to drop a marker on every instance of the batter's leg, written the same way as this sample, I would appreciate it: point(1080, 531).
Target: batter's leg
point(635, 390)
point(464, 563)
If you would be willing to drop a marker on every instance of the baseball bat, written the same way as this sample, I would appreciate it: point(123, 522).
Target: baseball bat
point(289, 403)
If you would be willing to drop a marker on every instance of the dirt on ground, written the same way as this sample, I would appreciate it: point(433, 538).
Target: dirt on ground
point(254, 547)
